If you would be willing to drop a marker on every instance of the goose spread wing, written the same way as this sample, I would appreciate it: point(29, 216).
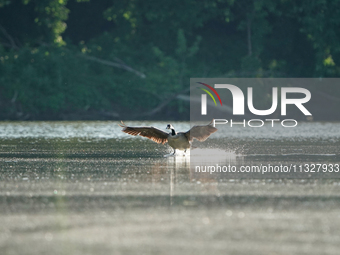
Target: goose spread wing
point(200, 132)
point(155, 134)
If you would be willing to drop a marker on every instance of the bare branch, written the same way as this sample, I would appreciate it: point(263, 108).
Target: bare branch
point(14, 98)
point(249, 23)
point(164, 103)
point(9, 38)
point(119, 64)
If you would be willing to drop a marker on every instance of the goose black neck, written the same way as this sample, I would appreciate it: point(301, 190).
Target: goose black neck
point(173, 132)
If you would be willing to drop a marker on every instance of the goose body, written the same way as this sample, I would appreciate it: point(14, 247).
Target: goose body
point(180, 141)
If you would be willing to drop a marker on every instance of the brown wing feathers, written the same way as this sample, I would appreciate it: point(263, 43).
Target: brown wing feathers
point(200, 132)
point(152, 133)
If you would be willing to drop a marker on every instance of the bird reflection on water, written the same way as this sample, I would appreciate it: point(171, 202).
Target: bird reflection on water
point(181, 170)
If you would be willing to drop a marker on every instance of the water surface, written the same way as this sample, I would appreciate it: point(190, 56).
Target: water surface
point(88, 188)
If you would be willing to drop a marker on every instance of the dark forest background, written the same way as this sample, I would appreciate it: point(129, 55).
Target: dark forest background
point(112, 59)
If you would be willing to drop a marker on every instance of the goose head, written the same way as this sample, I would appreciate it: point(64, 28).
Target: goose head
point(169, 126)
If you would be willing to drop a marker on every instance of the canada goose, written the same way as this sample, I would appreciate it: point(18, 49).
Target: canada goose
point(181, 140)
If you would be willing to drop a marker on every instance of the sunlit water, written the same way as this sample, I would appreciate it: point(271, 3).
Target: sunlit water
point(88, 188)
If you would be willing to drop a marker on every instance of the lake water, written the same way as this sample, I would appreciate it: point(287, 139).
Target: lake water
point(88, 188)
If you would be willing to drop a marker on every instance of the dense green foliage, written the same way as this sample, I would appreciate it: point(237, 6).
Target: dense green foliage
point(102, 59)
